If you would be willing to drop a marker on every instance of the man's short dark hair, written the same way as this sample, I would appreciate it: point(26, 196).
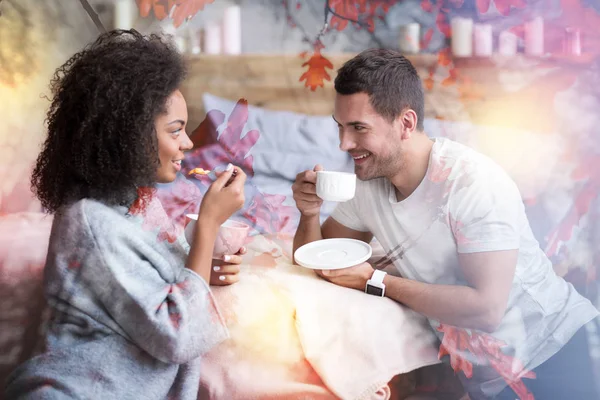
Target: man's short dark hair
point(390, 80)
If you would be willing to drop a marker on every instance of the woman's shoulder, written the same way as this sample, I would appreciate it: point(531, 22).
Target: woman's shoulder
point(84, 216)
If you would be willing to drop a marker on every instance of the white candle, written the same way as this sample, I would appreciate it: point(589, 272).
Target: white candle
point(409, 38)
point(462, 37)
point(482, 38)
point(507, 43)
point(572, 41)
point(212, 38)
point(232, 30)
point(125, 11)
point(194, 41)
point(534, 37)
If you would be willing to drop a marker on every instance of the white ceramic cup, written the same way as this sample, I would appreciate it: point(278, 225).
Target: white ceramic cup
point(230, 239)
point(335, 186)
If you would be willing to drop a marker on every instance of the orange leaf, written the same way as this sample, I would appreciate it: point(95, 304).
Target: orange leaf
point(316, 73)
point(452, 78)
point(186, 9)
point(160, 8)
point(444, 57)
point(428, 82)
point(144, 6)
point(264, 260)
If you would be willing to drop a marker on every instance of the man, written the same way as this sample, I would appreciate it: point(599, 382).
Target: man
point(454, 226)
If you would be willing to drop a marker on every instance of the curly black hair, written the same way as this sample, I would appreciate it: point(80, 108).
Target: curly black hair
point(102, 140)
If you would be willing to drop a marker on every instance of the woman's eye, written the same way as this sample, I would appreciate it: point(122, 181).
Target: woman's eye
point(176, 133)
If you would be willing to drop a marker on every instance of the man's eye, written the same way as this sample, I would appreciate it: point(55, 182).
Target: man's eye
point(359, 128)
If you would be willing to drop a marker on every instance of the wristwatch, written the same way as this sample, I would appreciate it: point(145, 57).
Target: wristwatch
point(375, 285)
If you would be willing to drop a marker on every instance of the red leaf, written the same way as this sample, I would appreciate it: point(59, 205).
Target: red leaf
point(427, 38)
point(456, 3)
point(486, 349)
point(144, 196)
point(317, 70)
point(231, 139)
point(442, 23)
point(504, 6)
point(230, 145)
point(268, 213)
point(482, 6)
point(178, 199)
point(453, 343)
point(206, 133)
point(345, 9)
point(562, 233)
point(185, 9)
point(426, 5)
point(363, 11)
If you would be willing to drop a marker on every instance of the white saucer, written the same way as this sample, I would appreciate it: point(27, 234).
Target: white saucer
point(333, 253)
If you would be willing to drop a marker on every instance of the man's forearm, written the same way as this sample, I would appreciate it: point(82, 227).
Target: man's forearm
point(461, 306)
point(309, 230)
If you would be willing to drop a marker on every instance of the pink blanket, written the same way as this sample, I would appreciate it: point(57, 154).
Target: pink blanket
point(294, 335)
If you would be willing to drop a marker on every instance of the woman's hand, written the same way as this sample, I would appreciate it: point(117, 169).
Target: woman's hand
point(224, 197)
point(226, 271)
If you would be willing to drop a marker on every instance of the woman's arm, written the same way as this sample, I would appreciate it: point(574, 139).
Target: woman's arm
point(200, 258)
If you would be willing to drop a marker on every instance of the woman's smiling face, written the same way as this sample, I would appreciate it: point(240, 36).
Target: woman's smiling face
point(172, 138)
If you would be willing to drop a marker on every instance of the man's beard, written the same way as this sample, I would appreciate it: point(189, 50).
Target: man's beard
point(378, 168)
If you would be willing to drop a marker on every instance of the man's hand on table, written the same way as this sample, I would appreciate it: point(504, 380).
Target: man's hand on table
point(354, 277)
point(226, 271)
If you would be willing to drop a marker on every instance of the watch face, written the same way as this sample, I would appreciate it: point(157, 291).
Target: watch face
point(374, 290)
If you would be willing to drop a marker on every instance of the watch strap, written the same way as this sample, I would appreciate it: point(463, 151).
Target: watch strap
point(378, 276)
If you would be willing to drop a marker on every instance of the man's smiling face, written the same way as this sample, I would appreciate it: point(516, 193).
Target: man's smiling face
point(372, 141)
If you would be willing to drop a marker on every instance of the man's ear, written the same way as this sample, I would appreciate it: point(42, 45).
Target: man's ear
point(408, 123)
point(409, 119)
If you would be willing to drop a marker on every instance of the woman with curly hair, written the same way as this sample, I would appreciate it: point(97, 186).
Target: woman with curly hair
point(131, 307)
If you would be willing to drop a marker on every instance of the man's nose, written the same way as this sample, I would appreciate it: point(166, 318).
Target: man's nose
point(346, 142)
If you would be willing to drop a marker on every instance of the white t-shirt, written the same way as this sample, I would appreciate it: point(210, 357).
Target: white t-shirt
point(467, 204)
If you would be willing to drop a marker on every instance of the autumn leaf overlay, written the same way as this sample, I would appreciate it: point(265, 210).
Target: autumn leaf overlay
point(182, 10)
point(266, 212)
point(487, 350)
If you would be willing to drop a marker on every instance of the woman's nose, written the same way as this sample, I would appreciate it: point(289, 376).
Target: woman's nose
point(186, 142)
